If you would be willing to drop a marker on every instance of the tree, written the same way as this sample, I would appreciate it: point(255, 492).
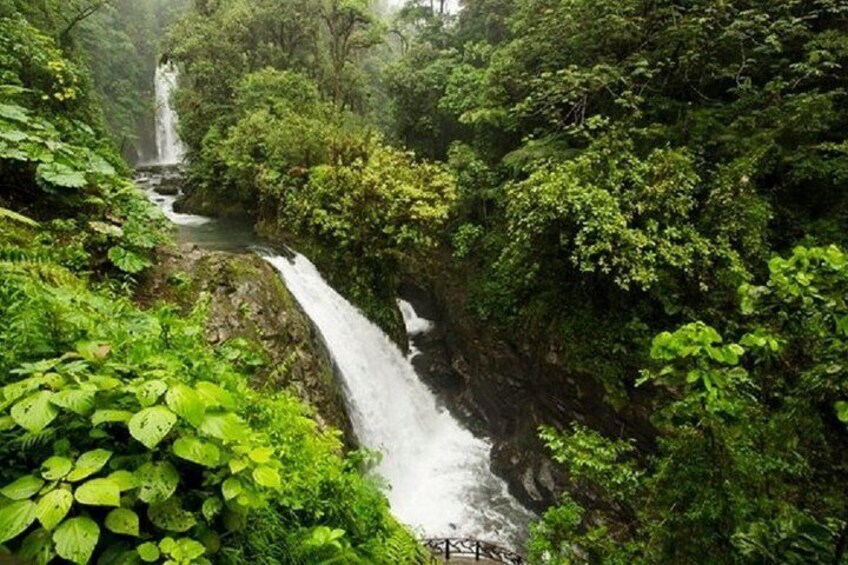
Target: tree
point(351, 28)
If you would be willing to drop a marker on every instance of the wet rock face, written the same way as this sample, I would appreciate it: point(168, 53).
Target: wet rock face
point(248, 300)
point(505, 390)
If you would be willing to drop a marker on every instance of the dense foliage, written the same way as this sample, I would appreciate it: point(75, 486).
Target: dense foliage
point(751, 462)
point(124, 436)
point(587, 173)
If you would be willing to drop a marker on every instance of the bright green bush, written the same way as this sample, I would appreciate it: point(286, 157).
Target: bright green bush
point(125, 437)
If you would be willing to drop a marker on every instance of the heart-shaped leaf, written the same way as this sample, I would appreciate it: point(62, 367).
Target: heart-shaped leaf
point(56, 468)
point(123, 521)
point(15, 518)
point(151, 425)
point(53, 507)
point(35, 412)
point(76, 539)
point(197, 451)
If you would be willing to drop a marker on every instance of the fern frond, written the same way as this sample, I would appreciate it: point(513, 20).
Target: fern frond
point(7, 214)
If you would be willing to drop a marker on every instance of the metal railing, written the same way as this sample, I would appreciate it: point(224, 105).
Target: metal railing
point(479, 550)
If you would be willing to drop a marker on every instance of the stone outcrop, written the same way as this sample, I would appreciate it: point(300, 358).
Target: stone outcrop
point(247, 299)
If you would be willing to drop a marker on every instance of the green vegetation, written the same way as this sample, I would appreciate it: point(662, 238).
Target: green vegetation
point(124, 436)
point(591, 172)
point(750, 465)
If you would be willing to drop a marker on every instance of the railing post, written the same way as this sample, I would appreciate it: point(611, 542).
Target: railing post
point(447, 550)
point(477, 551)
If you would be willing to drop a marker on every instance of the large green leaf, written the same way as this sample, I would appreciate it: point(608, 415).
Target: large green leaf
point(126, 480)
point(197, 451)
point(151, 425)
point(99, 492)
point(15, 518)
point(150, 392)
point(123, 521)
point(89, 463)
point(62, 175)
point(35, 412)
point(170, 516)
point(56, 468)
point(159, 481)
point(128, 261)
point(231, 488)
point(37, 548)
point(149, 552)
point(267, 477)
point(187, 550)
point(186, 403)
point(225, 426)
point(77, 401)
point(214, 396)
point(842, 411)
point(76, 539)
point(14, 112)
point(110, 416)
point(53, 507)
point(22, 488)
point(15, 217)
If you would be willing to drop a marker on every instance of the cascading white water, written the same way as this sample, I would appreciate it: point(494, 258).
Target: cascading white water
point(439, 472)
point(169, 147)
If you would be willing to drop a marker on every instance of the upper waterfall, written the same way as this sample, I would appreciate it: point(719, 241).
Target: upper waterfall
point(169, 148)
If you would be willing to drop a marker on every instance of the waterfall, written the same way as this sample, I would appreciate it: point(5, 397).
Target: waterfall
point(169, 147)
point(439, 476)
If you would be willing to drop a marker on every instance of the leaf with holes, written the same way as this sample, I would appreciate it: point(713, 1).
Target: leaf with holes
point(15, 518)
point(37, 548)
point(35, 412)
point(98, 492)
point(151, 425)
point(76, 539)
point(158, 482)
point(123, 521)
point(56, 468)
point(170, 516)
point(53, 507)
point(150, 392)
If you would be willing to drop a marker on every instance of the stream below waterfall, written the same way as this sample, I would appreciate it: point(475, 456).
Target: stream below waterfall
point(438, 472)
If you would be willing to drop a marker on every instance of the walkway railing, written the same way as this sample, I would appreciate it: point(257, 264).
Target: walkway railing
point(479, 550)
